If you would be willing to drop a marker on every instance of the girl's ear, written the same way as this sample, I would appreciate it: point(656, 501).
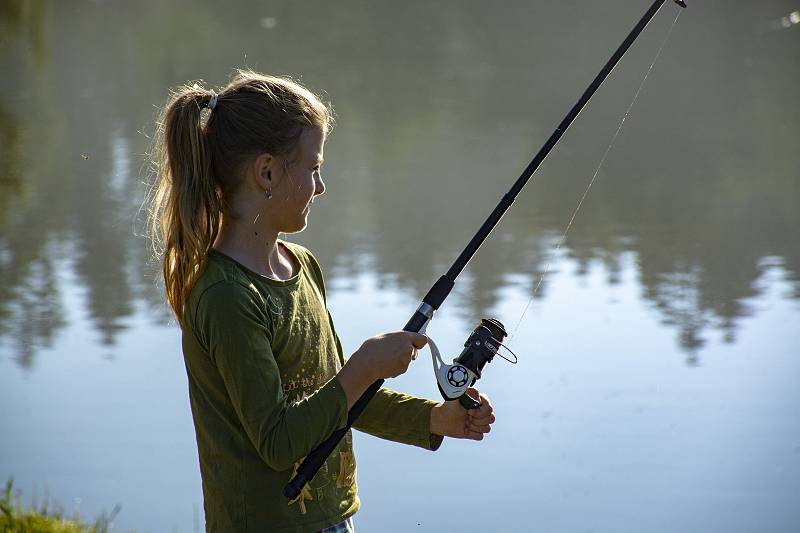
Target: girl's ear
point(262, 170)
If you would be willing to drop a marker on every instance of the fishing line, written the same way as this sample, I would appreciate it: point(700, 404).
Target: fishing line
point(594, 177)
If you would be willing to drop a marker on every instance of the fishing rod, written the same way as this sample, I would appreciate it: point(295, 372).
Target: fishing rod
point(485, 341)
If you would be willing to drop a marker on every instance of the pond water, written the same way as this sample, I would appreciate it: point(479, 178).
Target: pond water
point(659, 376)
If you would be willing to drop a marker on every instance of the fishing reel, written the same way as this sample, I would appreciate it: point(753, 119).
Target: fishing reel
point(480, 348)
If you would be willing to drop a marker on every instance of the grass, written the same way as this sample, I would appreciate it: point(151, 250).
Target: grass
point(16, 518)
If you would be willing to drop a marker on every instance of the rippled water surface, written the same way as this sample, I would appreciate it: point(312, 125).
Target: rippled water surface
point(659, 382)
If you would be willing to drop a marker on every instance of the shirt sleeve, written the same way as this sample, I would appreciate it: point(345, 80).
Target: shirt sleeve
point(236, 332)
point(400, 418)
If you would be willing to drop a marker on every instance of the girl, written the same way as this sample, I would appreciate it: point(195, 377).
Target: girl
point(268, 380)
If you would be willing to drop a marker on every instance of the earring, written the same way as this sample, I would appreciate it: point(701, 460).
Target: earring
point(269, 194)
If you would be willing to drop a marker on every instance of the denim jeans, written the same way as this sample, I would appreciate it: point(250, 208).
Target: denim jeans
point(342, 527)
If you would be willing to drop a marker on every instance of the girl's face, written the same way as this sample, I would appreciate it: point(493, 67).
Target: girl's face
point(300, 182)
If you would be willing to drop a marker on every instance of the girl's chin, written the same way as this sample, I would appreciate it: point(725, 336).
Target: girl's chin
point(300, 226)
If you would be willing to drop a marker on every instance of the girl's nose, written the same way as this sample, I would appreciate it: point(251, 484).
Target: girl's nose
point(319, 185)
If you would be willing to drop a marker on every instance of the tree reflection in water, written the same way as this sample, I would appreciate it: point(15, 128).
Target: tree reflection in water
point(700, 188)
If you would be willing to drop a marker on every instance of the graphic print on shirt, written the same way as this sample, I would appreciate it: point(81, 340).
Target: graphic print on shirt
point(322, 484)
point(321, 480)
point(274, 305)
point(317, 486)
point(347, 463)
point(296, 390)
point(304, 495)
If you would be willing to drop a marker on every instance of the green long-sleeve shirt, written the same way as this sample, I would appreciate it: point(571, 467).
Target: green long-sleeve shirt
point(261, 356)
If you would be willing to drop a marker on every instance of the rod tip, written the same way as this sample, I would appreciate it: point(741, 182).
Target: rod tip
point(681, 3)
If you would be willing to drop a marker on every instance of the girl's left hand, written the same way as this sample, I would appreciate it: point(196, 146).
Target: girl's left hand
point(452, 420)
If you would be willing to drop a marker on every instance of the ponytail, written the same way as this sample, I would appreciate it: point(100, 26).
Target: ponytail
point(186, 210)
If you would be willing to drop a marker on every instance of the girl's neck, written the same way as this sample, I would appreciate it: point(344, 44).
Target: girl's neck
point(257, 250)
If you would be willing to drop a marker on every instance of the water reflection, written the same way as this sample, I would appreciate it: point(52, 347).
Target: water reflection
point(23, 22)
point(33, 313)
point(436, 118)
point(10, 149)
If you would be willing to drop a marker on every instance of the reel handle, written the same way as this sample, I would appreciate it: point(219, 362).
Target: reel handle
point(468, 402)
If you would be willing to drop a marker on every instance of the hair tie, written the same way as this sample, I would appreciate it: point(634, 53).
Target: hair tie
point(212, 103)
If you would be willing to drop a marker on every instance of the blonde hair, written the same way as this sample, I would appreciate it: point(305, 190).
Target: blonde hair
point(198, 165)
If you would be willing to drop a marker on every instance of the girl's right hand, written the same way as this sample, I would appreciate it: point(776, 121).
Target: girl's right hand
point(389, 355)
point(381, 357)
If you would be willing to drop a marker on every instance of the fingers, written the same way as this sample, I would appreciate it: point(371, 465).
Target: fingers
point(476, 431)
point(481, 416)
point(474, 435)
point(418, 340)
point(480, 420)
point(480, 424)
point(478, 428)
